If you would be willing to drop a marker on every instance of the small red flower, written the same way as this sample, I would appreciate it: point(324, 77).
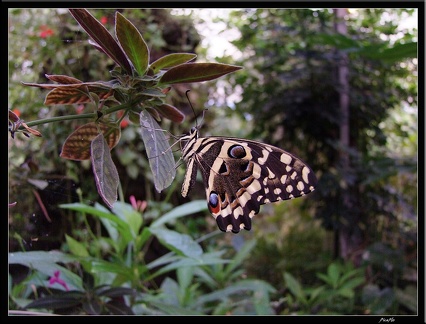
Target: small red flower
point(124, 123)
point(104, 20)
point(45, 31)
point(56, 279)
point(17, 112)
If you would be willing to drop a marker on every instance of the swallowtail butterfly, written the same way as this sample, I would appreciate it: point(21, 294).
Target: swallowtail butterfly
point(240, 175)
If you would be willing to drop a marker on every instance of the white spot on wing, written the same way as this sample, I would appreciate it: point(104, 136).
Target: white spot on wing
point(285, 158)
point(256, 171)
point(264, 158)
point(305, 174)
point(238, 212)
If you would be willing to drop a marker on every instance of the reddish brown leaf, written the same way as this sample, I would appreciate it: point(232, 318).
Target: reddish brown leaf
point(77, 145)
point(197, 72)
point(170, 112)
point(75, 95)
point(102, 37)
point(64, 79)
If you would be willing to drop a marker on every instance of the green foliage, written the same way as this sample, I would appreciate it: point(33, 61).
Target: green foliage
point(292, 93)
point(334, 296)
point(205, 282)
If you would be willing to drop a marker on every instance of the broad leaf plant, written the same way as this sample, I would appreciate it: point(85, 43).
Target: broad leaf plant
point(138, 88)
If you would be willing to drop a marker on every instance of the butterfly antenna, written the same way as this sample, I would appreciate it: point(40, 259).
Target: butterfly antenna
point(193, 110)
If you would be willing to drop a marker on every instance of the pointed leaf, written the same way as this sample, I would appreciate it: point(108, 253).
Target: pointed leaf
point(192, 207)
point(107, 291)
point(170, 112)
point(100, 211)
point(132, 43)
point(92, 307)
point(64, 79)
point(171, 60)
point(77, 145)
point(295, 287)
point(118, 307)
point(73, 92)
point(47, 263)
point(76, 247)
point(102, 37)
point(72, 95)
point(129, 215)
point(197, 72)
point(57, 301)
point(106, 175)
point(160, 156)
point(180, 243)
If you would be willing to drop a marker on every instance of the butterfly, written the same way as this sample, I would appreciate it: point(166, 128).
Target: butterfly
point(240, 175)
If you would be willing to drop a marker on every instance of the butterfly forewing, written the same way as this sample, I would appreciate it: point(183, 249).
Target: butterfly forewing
point(240, 175)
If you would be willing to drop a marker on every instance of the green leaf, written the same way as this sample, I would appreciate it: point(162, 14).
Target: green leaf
point(160, 156)
point(46, 263)
point(104, 41)
point(408, 297)
point(99, 211)
point(400, 52)
point(242, 254)
point(175, 262)
point(170, 309)
point(171, 60)
point(129, 215)
point(377, 300)
point(132, 43)
point(397, 53)
point(76, 247)
point(190, 208)
point(180, 243)
point(333, 272)
point(35, 259)
point(236, 289)
point(346, 292)
point(197, 72)
point(105, 266)
point(106, 175)
point(294, 286)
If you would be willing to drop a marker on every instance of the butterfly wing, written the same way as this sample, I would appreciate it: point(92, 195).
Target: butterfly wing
point(240, 175)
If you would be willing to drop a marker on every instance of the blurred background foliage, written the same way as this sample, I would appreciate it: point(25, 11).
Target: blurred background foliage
point(363, 215)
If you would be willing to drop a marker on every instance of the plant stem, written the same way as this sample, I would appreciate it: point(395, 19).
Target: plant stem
point(93, 115)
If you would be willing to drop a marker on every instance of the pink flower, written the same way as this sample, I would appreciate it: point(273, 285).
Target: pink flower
point(137, 205)
point(104, 20)
point(56, 279)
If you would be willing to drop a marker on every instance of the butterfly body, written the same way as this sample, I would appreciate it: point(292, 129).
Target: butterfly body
point(240, 175)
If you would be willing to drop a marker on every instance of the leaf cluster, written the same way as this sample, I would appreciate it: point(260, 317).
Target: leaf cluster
point(137, 89)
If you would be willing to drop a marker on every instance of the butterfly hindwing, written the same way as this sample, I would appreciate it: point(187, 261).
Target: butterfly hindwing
point(240, 175)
